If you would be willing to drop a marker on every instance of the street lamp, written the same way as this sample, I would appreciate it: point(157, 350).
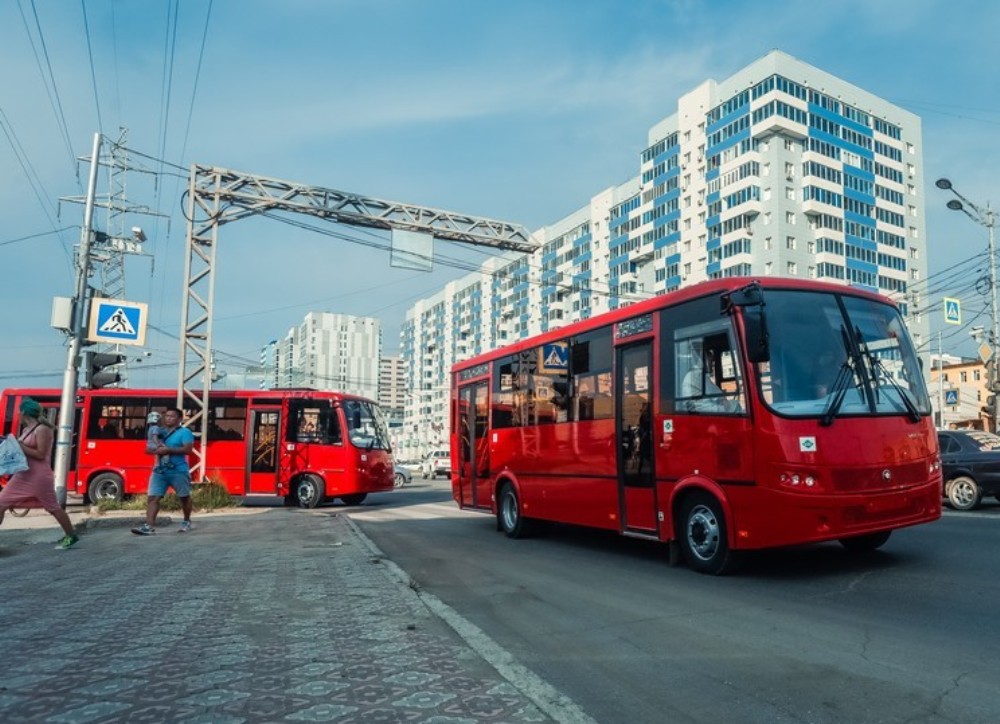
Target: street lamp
point(983, 217)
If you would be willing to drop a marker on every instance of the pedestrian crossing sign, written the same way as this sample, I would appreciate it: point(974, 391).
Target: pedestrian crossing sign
point(116, 321)
point(952, 311)
point(951, 397)
point(555, 357)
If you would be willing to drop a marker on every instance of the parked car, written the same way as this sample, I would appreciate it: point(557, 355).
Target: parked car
point(970, 461)
point(436, 463)
point(401, 475)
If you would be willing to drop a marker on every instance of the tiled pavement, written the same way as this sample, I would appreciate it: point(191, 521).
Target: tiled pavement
point(285, 615)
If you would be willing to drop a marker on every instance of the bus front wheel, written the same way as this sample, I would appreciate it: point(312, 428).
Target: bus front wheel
point(703, 536)
point(511, 522)
point(308, 491)
point(865, 543)
point(106, 486)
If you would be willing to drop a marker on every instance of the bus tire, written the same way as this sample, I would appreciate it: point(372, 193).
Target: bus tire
point(106, 486)
point(354, 498)
point(865, 543)
point(509, 518)
point(308, 491)
point(703, 536)
point(963, 493)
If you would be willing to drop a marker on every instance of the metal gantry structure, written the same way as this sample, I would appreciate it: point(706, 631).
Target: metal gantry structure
point(218, 196)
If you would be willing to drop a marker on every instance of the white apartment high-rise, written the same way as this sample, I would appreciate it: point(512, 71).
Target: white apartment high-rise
point(330, 352)
point(780, 170)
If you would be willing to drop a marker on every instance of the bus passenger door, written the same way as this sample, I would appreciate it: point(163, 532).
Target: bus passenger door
point(473, 446)
point(262, 452)
point(634, 435)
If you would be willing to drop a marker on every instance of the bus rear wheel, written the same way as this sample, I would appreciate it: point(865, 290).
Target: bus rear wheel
point(703, 536)
point(308, 491)
point(354, 499)
point(106, 486)
point(509, 518)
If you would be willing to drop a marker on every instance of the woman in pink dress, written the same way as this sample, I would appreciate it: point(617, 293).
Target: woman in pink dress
point(34, 487)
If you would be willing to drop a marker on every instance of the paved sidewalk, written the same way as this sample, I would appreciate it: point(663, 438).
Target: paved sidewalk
point(280, 614)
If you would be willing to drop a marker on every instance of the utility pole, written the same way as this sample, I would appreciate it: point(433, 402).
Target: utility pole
point(67, 403)
point(983, 217)
point(940, 384)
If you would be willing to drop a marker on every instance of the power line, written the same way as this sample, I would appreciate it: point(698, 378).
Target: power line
point(93, 74)
point(54, 100)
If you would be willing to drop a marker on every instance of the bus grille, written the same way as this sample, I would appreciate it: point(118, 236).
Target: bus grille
point(873, 477)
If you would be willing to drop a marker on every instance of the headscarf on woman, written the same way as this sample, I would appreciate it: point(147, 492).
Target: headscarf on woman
point(31, 408)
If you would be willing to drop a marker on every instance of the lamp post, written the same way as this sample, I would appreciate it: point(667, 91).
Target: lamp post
point(983, 217)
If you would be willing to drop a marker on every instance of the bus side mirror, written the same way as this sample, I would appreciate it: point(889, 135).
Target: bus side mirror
point(755, 327)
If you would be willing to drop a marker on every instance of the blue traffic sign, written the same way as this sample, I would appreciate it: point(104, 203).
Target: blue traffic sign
point(952, 311)
point(951, 397)
point(117, 322)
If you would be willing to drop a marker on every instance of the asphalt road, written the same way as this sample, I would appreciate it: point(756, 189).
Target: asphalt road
point(810, 634)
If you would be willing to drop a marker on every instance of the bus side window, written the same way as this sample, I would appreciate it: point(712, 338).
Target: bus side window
point(331, 426)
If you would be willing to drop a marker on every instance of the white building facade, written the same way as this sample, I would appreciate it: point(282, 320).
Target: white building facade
point(780, 170)
point(328, 351)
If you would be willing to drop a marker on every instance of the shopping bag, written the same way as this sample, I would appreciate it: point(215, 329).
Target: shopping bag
point(12, 459)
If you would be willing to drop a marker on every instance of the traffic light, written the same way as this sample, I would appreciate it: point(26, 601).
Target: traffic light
point(97, 373)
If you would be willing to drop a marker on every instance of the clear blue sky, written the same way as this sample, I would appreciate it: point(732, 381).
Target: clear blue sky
point(518, 111)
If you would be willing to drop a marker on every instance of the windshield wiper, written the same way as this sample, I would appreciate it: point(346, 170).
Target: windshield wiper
point(844, 378)
point(878, 369)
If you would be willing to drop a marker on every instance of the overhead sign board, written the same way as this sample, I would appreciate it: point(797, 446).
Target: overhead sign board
point(952, 311)
point(114, 321)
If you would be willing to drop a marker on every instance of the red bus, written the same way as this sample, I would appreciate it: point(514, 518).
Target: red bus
point(305, 445)
point(728, 416)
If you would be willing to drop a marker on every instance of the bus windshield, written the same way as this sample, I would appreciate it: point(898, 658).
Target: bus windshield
point(366, 425)
point(839, 355)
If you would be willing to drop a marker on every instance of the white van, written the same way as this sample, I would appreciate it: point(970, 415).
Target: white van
point(436, 463)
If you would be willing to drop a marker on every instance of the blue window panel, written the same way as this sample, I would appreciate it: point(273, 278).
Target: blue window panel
point(713, 220)
point(712, 174)
point(672, 259)
point(672, 282)
point(666, 176)
point(666, 153)
point(713, 244)
point(842, 120)
point(618, 260)
point(712, 197)
point(714, 267)
point(861, 265)
point(860, 243)
point(731, 141)
point(840, 143)
point(859, 172)
point(866, 220)
point(858, 196)
point(669, 196)
point(727, 119)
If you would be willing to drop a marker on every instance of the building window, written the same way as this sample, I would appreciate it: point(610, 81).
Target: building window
point(790, 243)
point(789, 217)
point(792, 269)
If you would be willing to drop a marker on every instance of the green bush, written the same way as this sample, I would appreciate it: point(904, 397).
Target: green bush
point(204, 496)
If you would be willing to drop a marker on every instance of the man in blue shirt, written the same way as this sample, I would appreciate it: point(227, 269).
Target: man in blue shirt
point(171, 471)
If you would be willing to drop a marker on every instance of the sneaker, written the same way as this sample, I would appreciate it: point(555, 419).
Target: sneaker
point(144, 529)
point(185, 526)
point(68, 542)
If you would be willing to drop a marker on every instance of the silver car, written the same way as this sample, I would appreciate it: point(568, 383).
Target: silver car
point(401, 475)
